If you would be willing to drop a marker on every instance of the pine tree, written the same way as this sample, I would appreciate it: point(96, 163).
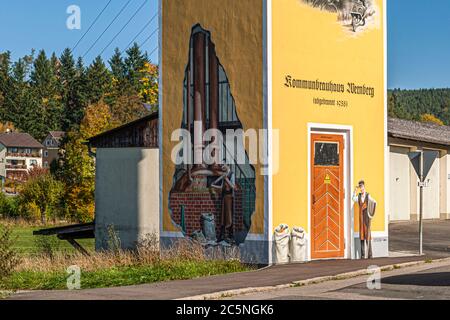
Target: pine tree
point(5, 69)
point(80, 91)
point(70, 77)
point(117, 65)
point(42, 75)
point(98, 81)
point(18, 99)
point(120, 85)
point(47, 112)
point(17, 90)
point(134, 64)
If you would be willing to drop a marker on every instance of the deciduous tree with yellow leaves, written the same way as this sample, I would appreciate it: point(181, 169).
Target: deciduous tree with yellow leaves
point(78, 169)
point(430, 118)
point(149, 84)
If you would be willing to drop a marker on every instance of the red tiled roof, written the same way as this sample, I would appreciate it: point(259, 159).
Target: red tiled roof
point(16, 139)
point(57, 134)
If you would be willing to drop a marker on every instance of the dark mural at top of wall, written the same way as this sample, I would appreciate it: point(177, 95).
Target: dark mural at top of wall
point(211, 203)
point(354, 14)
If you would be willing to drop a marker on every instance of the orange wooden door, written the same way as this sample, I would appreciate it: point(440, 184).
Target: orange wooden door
point(327, 188)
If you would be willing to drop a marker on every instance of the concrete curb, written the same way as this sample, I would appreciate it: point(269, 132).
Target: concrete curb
point(231, 293)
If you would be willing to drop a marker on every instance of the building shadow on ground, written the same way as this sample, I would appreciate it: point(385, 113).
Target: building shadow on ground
point(438, 279)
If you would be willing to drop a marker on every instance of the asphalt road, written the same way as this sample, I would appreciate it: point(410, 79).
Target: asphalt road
point(404, 237)
point(425, 282)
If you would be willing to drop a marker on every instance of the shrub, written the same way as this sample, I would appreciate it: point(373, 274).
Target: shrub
point(9, 206)
point(9, 258)
point(36, 172)
point(47, 245)
point(42, 195)
point(30, 211)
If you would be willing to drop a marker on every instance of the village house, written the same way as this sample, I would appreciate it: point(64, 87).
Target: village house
point(406, 136)
point(52, 145)
point(19, 152)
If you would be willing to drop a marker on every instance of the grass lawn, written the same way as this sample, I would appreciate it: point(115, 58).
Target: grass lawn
point(122, 276)
point(25, 242)
point(103, 275)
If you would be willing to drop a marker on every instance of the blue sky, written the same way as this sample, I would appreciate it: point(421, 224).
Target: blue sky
point(418, 43)
point(418, 34)
point(41, 24)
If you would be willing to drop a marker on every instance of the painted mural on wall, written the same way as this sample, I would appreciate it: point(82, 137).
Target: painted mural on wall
point(354, 14)
point(211, 202)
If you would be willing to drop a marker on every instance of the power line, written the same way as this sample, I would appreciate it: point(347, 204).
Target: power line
point(123, 28)
point(142, 30)
point(148, 38)
point(153, 51)
point(92, 24)
point(107, 28)
point(145, 41)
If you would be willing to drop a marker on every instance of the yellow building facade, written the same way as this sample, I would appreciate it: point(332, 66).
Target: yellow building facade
point(306, 79)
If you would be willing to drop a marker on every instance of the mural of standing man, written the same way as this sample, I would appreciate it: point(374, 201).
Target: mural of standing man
point(228, 186)
point(367, 206)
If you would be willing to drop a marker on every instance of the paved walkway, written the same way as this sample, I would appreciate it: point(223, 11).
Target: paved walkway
point(271, 276)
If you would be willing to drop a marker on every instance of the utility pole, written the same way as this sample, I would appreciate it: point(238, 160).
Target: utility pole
point(422, 162)
point(421, 184)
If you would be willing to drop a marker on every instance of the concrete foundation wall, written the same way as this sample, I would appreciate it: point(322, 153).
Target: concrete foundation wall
point(251, 251)
point(126, 195)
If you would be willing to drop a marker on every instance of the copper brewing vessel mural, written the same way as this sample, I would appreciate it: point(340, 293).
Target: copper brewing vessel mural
point(222, 189)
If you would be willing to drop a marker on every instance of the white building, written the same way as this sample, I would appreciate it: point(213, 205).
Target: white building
point(19, 152)
point(52, 145)
point(406, 136)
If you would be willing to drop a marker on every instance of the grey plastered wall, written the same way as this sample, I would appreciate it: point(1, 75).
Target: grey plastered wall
point(126, 195)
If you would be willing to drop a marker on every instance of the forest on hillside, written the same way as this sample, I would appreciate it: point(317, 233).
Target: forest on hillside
point(420, 105)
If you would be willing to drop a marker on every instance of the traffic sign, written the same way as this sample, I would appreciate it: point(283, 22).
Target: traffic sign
point(429, 156)
point(422, 161)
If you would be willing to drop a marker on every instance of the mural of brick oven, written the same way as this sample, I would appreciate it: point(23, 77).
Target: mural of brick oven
point(224, 188)
point(187, 209)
